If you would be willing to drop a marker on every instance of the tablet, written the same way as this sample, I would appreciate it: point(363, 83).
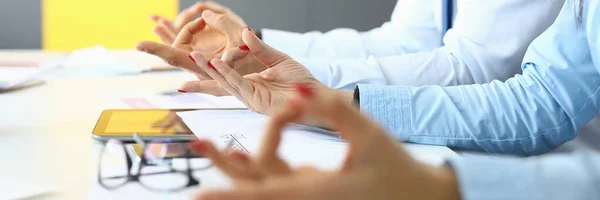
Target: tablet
point(150, 124)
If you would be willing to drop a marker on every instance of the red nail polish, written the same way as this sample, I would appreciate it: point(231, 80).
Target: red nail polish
point(211, 66)
point(190, 56)
point(249, 29)
point(304, 90)
point(197, 147)
point(244, 47)
point(182, 91)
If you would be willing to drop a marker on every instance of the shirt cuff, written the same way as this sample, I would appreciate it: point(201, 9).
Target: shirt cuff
point(389, 106)
point(491, 177)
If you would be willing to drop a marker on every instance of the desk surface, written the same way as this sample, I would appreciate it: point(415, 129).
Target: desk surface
point(45, 129)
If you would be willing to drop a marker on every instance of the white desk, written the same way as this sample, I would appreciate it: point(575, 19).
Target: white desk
point(45, 129)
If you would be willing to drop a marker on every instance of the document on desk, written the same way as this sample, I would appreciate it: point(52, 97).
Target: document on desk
point(176, 100)
point(12, 76)
point(99, 61)
point(16, 189)
point(300, 145)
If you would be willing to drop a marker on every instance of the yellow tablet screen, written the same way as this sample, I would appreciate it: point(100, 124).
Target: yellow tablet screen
point(143, 122)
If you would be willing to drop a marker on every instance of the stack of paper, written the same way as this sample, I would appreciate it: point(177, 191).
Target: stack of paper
point(176, 100)
point(98, 60)
point(300, 145)
point(12, 76)
point(17, 189)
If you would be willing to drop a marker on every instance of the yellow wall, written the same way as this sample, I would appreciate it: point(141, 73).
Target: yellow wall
point(73, 24)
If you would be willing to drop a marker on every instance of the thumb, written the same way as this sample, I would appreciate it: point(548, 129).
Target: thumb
point(222, 23)
point(269, 56)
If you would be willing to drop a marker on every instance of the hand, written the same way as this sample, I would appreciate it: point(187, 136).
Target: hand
point(263, 91)
point(211, 35)
point(167, 30)
point(376, 167)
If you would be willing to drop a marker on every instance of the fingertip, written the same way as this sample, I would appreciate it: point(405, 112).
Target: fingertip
point(207, 14)
point(143, 46)
point(198, 57)
point(154, 18)
point(156, 29)
point(187, 86)
point(198, 146)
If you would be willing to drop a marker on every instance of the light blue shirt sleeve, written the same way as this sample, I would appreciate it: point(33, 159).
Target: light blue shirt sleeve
point(528, 114)
point(574, 176)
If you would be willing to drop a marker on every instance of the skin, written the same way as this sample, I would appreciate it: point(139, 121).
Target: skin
point(264, 91)
point(375, 167)
point(261, 79)
point(217, 30)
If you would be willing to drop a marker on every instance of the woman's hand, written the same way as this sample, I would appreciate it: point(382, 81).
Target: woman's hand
point(263, 91)
point(376, 167)
point(216, 31)
point(168, 30)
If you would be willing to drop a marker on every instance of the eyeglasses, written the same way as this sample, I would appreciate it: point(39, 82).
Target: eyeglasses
point(155, 169)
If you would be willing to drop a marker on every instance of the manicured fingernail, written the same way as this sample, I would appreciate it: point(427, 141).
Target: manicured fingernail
point(304, 90)
point(244, 47)
point(182, 91)
point(249, 29)
point(197, 147)
point(211, 66)
point(190, 56)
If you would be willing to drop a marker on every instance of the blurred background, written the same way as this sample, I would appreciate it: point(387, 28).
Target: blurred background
point(74, 24)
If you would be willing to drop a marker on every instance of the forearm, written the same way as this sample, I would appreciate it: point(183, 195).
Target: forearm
point(344, 43)
point(344, 75)
point(519, 117)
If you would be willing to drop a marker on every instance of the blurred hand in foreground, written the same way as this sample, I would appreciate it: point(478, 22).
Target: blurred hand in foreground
point(376, 167)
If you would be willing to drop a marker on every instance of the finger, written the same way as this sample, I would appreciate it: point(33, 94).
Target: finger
point(168, 24)
point(206, 86)
point(240, 157)
point(186, 35)
point(242, 161)
point(206, 148)
point(210, 69)
point(328, 106)
point(222, 23)
point(265, 53)
point(173, 56)
point(234, 54)
point(248, 193)
point(212, 6)
point(243, 86)
point(164, 34)
point(267, 156)
point(186, 16)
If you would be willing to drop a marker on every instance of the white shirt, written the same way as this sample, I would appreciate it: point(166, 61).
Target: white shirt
point(415, 26)
point(487, 42)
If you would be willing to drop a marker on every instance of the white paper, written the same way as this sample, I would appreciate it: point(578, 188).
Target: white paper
point(299, 146)
point(14, 76)
point(98, 56)
point(175, 100)
point(15, 189)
